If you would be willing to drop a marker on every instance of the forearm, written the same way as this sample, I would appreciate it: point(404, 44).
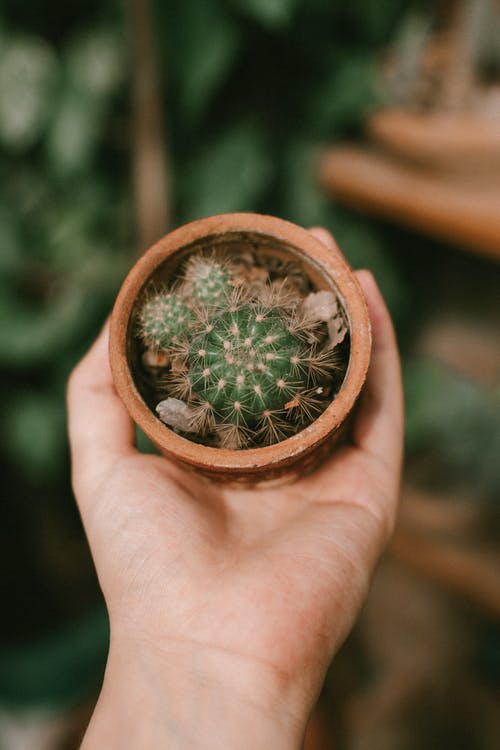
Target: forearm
point(147, 703)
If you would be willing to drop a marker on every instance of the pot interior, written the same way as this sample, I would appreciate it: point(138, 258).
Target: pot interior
point(267, 251)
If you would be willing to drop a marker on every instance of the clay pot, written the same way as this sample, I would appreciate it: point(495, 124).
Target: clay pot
point(325, 268)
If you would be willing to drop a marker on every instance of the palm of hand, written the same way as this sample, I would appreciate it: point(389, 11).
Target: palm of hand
point(259, 573)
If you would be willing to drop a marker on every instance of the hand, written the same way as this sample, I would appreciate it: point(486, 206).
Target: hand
point(226, 605)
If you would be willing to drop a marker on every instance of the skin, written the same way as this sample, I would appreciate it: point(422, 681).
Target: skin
point(227, 606)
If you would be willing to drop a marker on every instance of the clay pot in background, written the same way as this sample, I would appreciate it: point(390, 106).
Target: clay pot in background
point(326, 268)
point(460, 144)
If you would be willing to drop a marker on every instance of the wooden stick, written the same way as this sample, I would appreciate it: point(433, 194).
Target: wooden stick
point(150, 164)
point(466, 571)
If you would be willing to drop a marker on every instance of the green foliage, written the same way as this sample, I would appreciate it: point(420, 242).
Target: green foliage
point(41, 675)
point(210, 46)
point(347, 94)
point(93, 67)
point(28, 73)
point(230, 173)
point(270, 13)
point(458, 418)
point(10, 244)
point(35, 421)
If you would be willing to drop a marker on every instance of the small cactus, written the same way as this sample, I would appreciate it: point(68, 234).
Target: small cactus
point(208, 279)
point(163, 320)
point(250, 367)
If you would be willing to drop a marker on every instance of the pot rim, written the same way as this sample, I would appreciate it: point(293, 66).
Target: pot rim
point(208, 458)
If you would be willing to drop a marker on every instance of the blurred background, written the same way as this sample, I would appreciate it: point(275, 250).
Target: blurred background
point(378, 119)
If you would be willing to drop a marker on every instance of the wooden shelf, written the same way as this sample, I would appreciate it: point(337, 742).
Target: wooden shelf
point(466, 570)
point(462, 211)
point(462, 144)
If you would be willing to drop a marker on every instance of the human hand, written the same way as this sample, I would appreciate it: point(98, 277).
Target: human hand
point(227, 605)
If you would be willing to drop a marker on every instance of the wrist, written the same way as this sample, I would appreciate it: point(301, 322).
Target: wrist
point(190, 697)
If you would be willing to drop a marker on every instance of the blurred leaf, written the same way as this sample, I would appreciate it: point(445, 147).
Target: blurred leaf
point(69, 226)
point(62, 670)
point(230, 175)
point(271, 13)
point(28, 73)
point(38, 335)
point(457, 417)
point(375, 19)
point(346, 96)
point(93, 69)
point(95, 62)
point(201, 53)
point(301, 196)
point(74, 133)
point(10, 243)
point(26, 192)
point(34, 425)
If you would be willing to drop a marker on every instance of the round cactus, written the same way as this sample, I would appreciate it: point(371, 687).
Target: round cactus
point(164, 319)
point(254, 368)
point(208, 279)
point(247, 363)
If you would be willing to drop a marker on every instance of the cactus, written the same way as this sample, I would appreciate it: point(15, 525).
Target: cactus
point(208, 279)
point(163, 320)
point(249, 365)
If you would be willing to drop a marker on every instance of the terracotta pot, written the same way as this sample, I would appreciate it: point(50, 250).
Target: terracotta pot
point(326, 269)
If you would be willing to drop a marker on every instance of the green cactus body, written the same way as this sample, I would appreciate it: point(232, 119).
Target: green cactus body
point(210, 280)
point(164, 320)
point(247, 365)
